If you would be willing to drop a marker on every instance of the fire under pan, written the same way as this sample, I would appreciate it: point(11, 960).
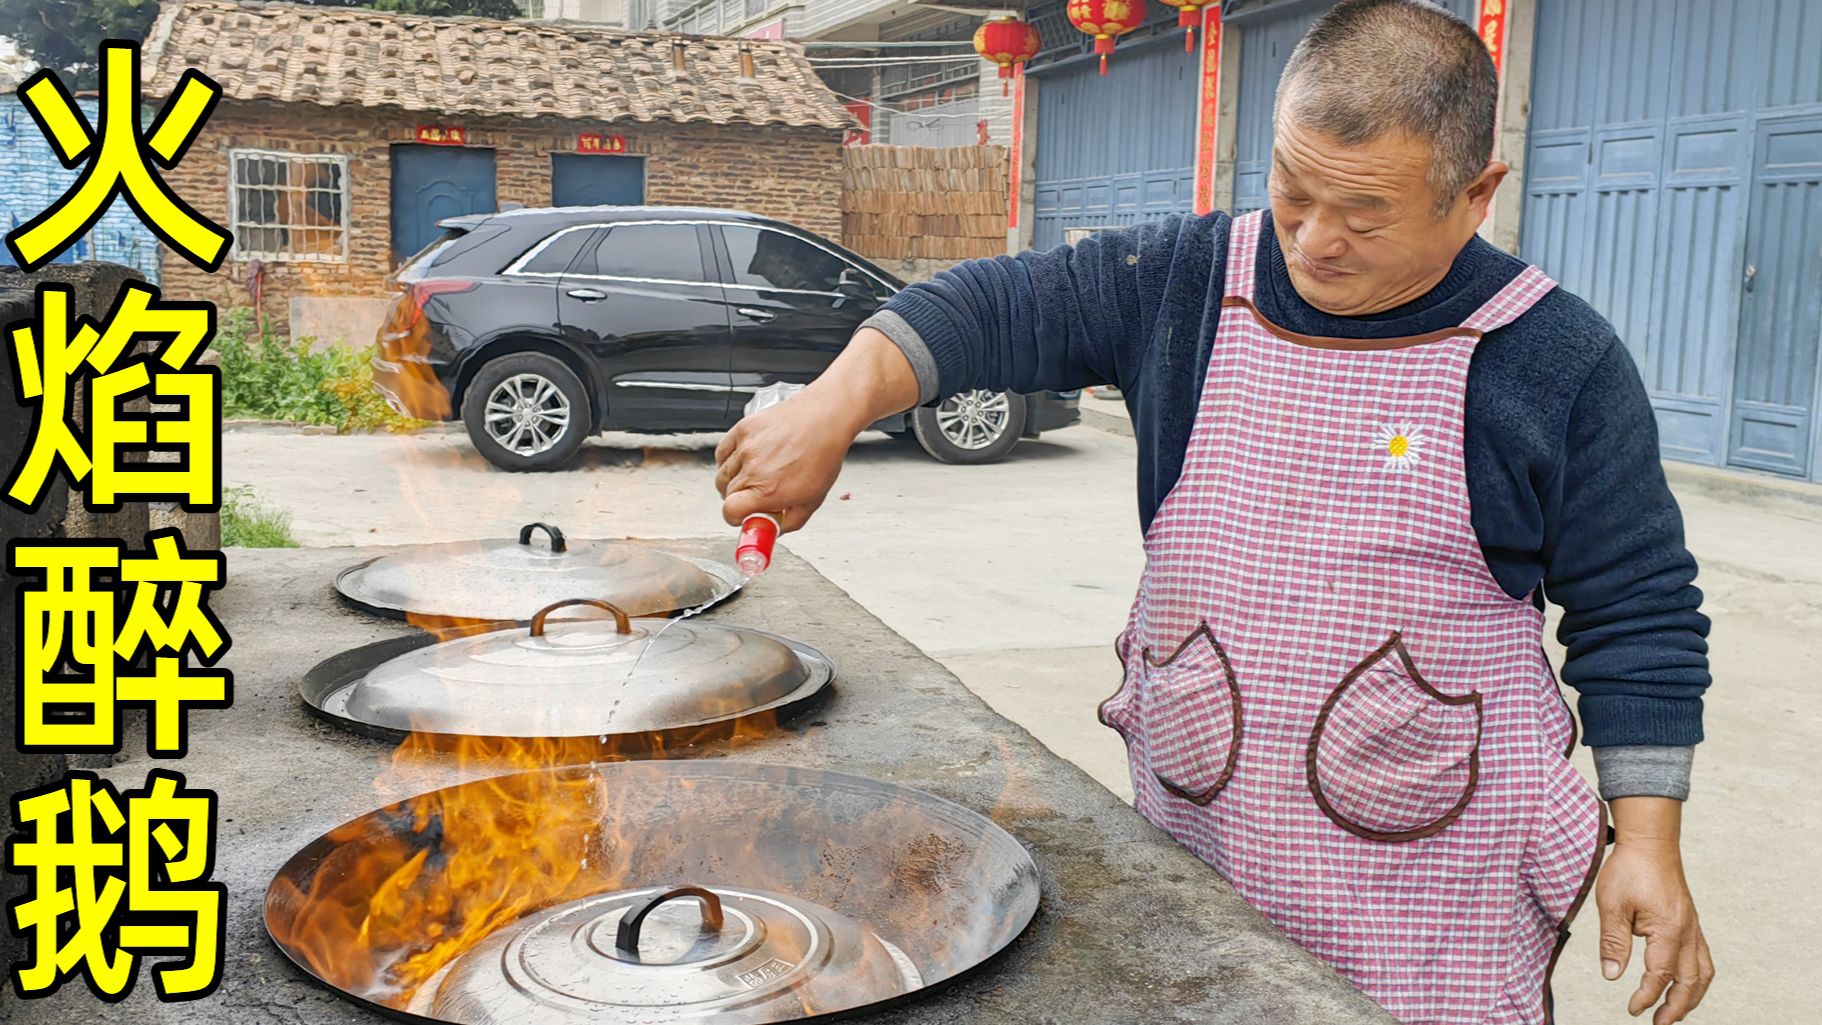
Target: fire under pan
point(719, 892)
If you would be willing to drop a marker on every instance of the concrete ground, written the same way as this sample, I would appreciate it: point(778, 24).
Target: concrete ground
point(1016, 577)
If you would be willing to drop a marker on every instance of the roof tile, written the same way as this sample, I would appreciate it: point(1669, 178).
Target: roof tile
point(338, 55)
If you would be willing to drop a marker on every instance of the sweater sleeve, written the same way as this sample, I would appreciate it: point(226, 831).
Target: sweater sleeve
point(1064, 318)
point(1615, 560)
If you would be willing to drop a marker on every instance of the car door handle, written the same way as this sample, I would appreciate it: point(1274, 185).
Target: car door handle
point(752, 313)
point(587, 295)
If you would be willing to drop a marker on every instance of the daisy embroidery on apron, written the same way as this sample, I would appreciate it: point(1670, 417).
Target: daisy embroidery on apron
point(1401, 446)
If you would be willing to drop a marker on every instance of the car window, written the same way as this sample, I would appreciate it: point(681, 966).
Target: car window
point(668, 252)
point(556, 256)
point(772, 259)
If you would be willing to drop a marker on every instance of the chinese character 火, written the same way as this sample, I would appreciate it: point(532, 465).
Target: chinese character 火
point(121, 162)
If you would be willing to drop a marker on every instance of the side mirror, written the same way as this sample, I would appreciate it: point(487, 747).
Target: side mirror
point(854, 284)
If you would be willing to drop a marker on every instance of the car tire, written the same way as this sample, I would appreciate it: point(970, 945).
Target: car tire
point(971, 429)
point(525, 393)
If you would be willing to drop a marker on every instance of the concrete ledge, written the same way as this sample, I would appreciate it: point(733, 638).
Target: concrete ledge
point(351, 322)
point(1131, 928)
point(1743, 485)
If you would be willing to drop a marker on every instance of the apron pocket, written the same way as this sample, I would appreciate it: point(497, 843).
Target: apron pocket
point(1189, 707)
point(1561, 862)
point(1392, 758)
point(1117, 711)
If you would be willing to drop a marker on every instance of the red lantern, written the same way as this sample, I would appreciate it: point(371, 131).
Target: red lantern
point(1189, 15)
point(1106, 21)
point(1008, 42)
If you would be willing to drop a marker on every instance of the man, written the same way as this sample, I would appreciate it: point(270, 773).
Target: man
point(1369, 444)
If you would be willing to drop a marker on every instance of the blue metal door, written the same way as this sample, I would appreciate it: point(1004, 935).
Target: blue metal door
point(430, 183)
point(1116, 150)
point(1774, 384)
point(588, 179)
point(1269, 31)
point(1652, 185)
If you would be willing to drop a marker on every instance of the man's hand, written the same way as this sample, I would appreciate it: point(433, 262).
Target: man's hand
point(784, 460)
point(1642, 892)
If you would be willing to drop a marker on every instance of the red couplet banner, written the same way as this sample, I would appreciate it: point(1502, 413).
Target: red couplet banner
point(1208, 112)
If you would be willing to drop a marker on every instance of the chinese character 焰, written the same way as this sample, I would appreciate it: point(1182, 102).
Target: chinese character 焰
point(56, 352)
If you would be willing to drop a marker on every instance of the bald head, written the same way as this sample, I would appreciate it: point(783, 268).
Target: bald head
point(1372, 68)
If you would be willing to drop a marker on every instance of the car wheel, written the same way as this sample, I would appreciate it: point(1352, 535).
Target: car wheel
point(526, 411)
point(972, 428)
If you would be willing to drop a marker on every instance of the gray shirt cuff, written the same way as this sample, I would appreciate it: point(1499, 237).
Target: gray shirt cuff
point(1639, 770)
point(909, 342)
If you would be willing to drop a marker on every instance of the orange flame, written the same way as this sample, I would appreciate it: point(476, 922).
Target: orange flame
point(481, 857)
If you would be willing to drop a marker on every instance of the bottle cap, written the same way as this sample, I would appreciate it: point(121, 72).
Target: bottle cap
point(753, 552)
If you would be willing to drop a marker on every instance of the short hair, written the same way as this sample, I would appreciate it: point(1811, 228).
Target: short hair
point(1369, 67)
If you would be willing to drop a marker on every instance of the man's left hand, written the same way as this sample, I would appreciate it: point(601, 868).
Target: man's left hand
point(1642, 892)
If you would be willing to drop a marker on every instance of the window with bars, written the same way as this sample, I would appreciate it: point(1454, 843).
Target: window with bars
point(289, 206)
point(532, 9)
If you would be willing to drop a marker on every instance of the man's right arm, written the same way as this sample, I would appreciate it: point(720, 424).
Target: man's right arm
point(1069, 317)
point(1040, 321)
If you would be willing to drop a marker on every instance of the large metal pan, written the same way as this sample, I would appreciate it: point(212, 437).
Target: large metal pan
point(866, 892)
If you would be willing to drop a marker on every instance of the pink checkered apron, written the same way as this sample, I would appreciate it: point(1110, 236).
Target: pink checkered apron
point(1327, 695)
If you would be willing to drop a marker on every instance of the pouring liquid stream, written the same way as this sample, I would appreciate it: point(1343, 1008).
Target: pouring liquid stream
point(752, 555)
point(758, 532)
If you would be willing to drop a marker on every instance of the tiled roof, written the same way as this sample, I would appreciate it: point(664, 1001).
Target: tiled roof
point(338, 55)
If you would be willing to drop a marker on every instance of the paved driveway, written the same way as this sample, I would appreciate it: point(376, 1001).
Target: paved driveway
point(1017, 577)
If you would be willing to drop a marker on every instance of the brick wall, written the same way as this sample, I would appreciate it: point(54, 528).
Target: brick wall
point(794, 174)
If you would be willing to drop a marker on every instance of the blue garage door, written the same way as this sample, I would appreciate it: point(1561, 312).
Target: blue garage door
point(1269, 30)
point(588, 179)
point(430, 183)
point(1120, 149)
point(1672, 179)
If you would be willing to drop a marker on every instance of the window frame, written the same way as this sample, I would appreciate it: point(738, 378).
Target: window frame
point(345, 228)
point(722, 272)
point(704, 267)
point(517, 267)
point(881, 289)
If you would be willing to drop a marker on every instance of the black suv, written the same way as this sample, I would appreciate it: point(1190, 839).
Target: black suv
point(539, 328)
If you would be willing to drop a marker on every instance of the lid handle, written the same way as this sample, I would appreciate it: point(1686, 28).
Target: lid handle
point(627, 939)
point(621, 623)
point(557, 545)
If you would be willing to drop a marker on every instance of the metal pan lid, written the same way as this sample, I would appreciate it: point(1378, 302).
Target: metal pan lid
point(580, 677)
point(508, 580)
point(668, 954)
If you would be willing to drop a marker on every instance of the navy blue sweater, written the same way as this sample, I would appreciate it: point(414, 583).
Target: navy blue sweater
point(1561, 444)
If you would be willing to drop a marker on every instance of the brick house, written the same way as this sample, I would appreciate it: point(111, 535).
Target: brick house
point(344, 134)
